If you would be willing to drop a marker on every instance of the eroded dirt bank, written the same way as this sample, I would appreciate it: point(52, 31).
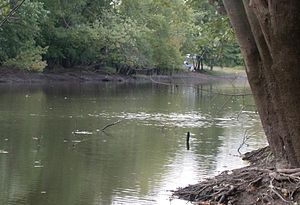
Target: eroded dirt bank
point(15, 76)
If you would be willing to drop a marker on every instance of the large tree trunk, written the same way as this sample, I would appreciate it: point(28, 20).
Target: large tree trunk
point(269, 36)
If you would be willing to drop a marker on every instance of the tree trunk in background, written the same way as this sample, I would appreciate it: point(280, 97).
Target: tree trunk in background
point(269, 36)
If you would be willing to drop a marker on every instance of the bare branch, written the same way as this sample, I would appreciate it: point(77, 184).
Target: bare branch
point(245, 138)
point(111, 124)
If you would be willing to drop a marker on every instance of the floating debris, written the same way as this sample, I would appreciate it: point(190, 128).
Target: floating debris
point(3, 152)
point(82, 133)
point(76, 141)
point(37, 161)
point(37, 164)
point(223, 119)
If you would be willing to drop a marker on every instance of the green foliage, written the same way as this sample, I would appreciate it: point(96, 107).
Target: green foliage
point(18, 37)
point(135, 33)
point(74, 46)
point(166, 23)
point(128, 33)
point(29, 58)
point(124, 39)
point(4, 8)
point(214, 34)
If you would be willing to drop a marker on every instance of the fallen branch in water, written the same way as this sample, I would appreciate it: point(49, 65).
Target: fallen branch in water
point(111, 124)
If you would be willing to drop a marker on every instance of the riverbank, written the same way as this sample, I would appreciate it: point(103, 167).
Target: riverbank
point(258, 184)
point(15, 76)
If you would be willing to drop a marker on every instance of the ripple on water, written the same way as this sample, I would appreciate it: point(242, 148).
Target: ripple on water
point(183, 120)
point(130, 196)
point(174, 119)
point(78, 132)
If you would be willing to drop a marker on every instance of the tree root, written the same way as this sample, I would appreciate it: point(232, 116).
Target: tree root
point(289, 171)
point(249, 185)
point(227, 188)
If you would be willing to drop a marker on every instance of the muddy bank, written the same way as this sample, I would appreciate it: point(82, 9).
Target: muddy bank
point(258, 183)
point(15, 76)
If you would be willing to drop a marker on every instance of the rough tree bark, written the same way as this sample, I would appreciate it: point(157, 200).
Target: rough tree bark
point(268, 32)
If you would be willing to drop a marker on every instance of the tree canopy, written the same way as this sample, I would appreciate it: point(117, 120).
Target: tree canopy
point(134, 33)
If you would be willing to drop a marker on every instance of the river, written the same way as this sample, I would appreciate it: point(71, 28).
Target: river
point(53, 152)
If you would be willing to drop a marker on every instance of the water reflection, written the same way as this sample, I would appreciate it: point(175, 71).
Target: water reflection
point(53, 150)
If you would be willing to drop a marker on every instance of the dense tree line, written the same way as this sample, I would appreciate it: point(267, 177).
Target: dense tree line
point(113, 33)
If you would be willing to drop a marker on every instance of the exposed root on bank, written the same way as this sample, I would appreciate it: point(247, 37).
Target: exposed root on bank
point(258, 183)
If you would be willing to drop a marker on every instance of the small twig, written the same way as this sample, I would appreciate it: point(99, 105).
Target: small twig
point(240, 112)
point(111, 124)
point(224, 104)
point(293, 192)
point(255, 181)
point(277, 193)
point(271, 186)
point(265, 196)
point(67, 25)
point(245, 138)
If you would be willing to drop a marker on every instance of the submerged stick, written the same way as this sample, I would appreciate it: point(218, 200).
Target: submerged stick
point(111, 124)
point(188, 140)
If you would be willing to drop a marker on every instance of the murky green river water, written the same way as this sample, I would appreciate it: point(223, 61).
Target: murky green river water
point(53, 152)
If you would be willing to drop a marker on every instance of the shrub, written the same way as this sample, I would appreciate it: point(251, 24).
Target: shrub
point(29, 58)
